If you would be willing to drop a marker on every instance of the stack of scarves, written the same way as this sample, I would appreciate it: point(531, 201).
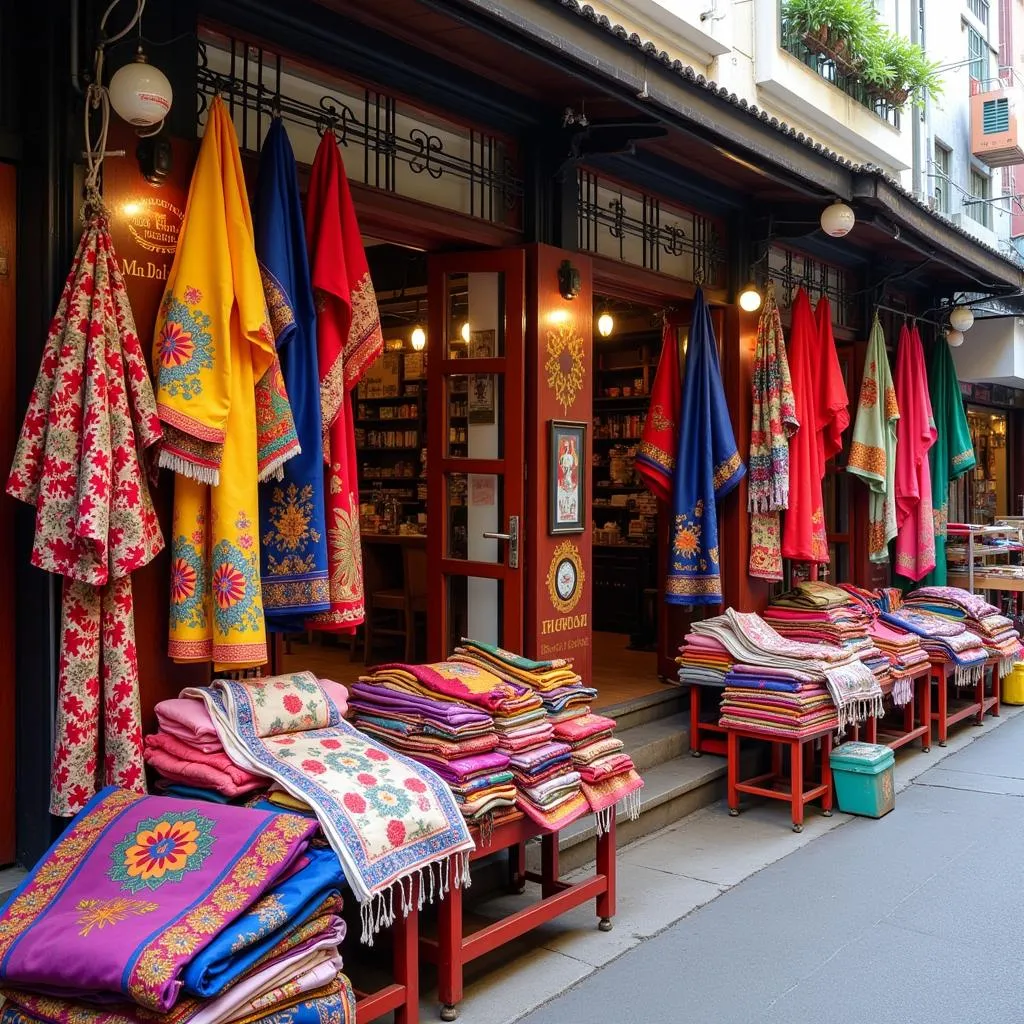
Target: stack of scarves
point(997, 633)
point(751, 642)
point(154, 909)
point(944, 640)
point(703, 661)
point(777, 703)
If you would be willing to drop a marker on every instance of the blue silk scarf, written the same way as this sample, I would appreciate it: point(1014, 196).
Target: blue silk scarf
point(708, 467)
point(293, 532)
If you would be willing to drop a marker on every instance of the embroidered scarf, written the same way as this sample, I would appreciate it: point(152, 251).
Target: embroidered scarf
point(873, 448)
point(213, 345)
point(953, 452)
point(772, 425)
point(708, 467)
point(832, 405)
point(915, 436)
point(803, 532)
point(656, 455)
point(349, 340)
point(293, 532)
point(90, 418)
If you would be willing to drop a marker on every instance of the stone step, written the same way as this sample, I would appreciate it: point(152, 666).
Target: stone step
point(669, 701)
point(656, 742)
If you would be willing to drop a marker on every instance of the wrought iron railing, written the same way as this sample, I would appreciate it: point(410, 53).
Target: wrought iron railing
point(792, 270)
point(792, 43)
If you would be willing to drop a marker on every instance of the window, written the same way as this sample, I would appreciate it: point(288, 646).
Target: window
point(979, 211)
point(979, 8)
point(995, 116)
point(941, 183)
point(977, 53)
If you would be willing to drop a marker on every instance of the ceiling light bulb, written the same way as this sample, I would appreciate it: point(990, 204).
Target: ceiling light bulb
point(465, 332)
point(418, 339)
point(961, 318)
point(140, 93)
point(750, 298)
point(605, 324)
point(954, 337)
point(838, 219)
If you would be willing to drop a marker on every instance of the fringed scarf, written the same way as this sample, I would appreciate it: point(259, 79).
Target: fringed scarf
point(953, 452)
point(656, 455)
point(349, 340)
point(803, 535)
point(915, 435)
point(90, 418)
point(873, 448)
point(708, 467)
point(773, 423)
point(221, 396)
point(293, 531)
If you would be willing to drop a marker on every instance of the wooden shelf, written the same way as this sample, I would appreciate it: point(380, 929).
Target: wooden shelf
point(620, 399)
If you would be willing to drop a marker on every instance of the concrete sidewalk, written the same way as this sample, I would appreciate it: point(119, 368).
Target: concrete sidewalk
point(917, 917)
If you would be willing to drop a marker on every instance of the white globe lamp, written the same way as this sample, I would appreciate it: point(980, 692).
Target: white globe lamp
point(954, 337)
point(418, 339)
point(140, 93)
point(961, 318)
point(838, 219)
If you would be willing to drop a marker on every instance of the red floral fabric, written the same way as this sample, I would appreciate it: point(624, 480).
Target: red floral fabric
point(90, 418)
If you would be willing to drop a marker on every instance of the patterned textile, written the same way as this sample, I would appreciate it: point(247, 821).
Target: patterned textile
point(134, 889)
point(227, 419)
point(656, 455)
point(873, 448)
point(952, 455)
point(293, 530)
point(708, 467)
point(803, 533)
point(832, 404)
point(349, 340)
point(178, 762)
point(915, 436)
point(460, 681)
point(772, 425)
point(90, 419)
point(538, 675)
point(385, 817)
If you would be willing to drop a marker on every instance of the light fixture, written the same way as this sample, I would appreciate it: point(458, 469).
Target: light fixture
point(418, 339)
point(605, 324)
point(961, 318)
point(465, 332)
point(750, 298)
point(569, 280)
point(838, 219)
point(140, 93)
point(954, 337)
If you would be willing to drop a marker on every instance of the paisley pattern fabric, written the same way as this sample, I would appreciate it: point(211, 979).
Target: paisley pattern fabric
point(90, 419)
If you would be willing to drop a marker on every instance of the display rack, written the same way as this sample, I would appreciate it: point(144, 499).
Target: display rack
point(976, 555)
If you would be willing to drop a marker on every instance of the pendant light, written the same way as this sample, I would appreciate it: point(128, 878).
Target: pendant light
point(838, 219)
point(605, 324)
point(464, 333)
point(961, 318)
point(954, 337)
point(750, 298)
point(140, 93)
point(418, 339)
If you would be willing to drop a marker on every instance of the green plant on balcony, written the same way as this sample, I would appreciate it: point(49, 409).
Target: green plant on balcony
point(896, 70)
point(835, 29)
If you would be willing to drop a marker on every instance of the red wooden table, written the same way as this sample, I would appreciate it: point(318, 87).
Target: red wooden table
point(941, 674)
point(403, 995)
point(453, 949)
point(915, 726)
point(991, 702)
point(774, 784)
point(706, 735)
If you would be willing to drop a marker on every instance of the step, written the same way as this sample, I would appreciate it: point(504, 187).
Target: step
point(639, 710)
point(656, 742)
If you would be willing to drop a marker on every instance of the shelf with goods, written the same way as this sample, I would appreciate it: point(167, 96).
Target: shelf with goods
point(970, 549)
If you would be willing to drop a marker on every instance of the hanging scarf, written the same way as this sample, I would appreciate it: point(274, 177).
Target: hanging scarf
point(221, 395)
point(349, 340)
point(656, 458)
point(773, 423)
point(873, 449)
point(953, 452)
point(293, 533)
point(708, 468)
point(90, 418)
point(803, 535)
point(915, 435)
point(832, 410)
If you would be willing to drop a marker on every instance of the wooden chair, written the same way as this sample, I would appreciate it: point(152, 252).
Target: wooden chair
point(402, 605)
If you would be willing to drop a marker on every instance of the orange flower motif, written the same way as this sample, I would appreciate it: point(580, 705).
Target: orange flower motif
point(686, 542)
point(165, 847)
point(228, 585)
point(176, 345)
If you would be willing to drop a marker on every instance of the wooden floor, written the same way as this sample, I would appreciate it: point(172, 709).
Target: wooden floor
point(619, 674)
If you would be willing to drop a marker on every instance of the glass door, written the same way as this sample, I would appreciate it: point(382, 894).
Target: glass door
point(476, 449)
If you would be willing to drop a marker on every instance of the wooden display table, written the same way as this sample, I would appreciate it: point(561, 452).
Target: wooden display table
point(453, 949)
point(706, 735)
point(948, 713)
point(915, 725)
point(403, 995)
point(775, 785)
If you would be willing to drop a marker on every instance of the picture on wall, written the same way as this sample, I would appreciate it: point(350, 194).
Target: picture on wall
point(567, 483)
point(481, 385)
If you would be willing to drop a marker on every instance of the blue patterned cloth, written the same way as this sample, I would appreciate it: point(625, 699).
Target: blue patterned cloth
point(708, 467)
point(293, 529)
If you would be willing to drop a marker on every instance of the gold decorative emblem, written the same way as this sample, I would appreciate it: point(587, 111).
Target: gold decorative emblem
point(566, 577)
point(153, 223)
point(564, 365)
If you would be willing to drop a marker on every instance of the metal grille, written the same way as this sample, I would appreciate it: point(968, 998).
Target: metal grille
point(792, 270)
point(641, 229)
point(388, 143)
point(995, 116)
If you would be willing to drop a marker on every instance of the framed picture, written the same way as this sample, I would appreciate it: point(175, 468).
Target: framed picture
point(481, 385)
point(567, 509)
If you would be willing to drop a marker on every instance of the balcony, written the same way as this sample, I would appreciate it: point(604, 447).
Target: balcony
point(995, 123)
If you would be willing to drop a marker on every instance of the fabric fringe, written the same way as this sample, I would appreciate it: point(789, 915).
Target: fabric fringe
point(435, 879)
point(201, 474)
point(858, 710)
point(274, 469)
point(630, 806)
point(778, 501)
point(969, 675)
point(1006, 664)
point(902, 692)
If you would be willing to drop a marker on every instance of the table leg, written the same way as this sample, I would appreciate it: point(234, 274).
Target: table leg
point(695, 720)
point(405, 934)
point(826, 775)
point(871, 729)
point(926, 711)
point(997, 690)
point(776, 758)
point(449, 953)
point(733, 773)
point(979, 696)
point(549, 864)
point(943, 708)
point(606, 867)
point(796, 775)
point(517, 867)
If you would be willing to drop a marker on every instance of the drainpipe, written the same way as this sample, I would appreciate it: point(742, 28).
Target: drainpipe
point(920, 181)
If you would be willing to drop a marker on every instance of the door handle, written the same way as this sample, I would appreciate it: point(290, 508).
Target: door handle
point(511, 538)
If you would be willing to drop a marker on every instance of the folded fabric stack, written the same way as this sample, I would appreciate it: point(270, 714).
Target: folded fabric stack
point(944, 640)
point(997, 633)
point(756, 647)
point(161, 909)
point(788, 708)
point(703, 661)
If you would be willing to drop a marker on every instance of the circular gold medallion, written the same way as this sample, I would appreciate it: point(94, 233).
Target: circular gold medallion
point(566, 577)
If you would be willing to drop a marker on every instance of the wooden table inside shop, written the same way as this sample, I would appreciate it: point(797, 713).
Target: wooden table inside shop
point(776, 786)
point(452, 949)
point(941, 674)
point(917, 718)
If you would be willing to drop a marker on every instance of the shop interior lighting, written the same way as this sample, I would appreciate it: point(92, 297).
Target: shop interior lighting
point(750, 298)
point(418, 339)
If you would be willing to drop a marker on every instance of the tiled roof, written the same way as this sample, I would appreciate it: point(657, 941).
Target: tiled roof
point(690, 75)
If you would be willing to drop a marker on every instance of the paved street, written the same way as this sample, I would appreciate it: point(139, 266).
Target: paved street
point(918, 917)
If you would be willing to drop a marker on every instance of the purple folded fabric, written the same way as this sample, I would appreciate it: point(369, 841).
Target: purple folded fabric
point(373, 698)
point(527, 760)
point(465, 767)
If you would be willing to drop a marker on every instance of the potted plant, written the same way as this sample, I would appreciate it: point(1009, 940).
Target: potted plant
point(896, 70)
point(835, 29)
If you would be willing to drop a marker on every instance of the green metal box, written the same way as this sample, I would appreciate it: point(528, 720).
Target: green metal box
point(862, 774)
